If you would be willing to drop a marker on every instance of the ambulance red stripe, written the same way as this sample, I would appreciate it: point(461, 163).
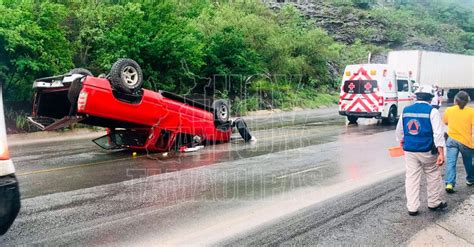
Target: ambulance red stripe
point(358, 101)
point(367, 97)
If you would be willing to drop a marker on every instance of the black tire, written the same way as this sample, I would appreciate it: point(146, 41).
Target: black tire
point(221, 111)
point(451, 93)
point(81, 71)
point(126, 76)
point(352, 119)
point(244, 131)
point(391, 119)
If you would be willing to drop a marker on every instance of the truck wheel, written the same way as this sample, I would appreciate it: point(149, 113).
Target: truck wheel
point(126, 76)
point(244, 131)
point(352, 119)
point(470, 92)
point(451, 93)
point(221, 111)
point(391, 118)
point(80, 71)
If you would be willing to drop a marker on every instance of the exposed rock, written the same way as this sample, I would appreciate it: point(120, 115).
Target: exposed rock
point(346, 24)
point(334, 20)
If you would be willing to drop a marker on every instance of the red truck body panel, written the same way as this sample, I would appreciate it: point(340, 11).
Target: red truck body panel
point(153, 113)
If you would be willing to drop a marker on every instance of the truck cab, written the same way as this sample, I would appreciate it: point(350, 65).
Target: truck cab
point(375, 91)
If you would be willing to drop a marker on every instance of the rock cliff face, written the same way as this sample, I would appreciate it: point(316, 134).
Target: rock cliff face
point(346, 24)
point(337, 23)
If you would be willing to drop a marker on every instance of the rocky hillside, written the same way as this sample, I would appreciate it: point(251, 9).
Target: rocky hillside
point(438, 25)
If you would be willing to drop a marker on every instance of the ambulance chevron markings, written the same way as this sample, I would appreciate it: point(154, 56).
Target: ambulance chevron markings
point(361, 102)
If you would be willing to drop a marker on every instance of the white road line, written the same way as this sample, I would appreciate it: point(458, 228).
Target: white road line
point(303, 171)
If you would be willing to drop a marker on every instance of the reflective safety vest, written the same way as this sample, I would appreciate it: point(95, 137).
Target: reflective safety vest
point(418, 132)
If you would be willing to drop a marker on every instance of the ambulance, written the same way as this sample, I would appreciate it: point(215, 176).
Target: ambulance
point(375, 91)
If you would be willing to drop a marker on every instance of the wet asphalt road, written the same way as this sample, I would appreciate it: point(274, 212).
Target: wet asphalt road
point(308, 179)
point(374, 215)
point(77, 164)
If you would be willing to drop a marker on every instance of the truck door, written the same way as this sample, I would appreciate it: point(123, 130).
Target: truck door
point(404, 94)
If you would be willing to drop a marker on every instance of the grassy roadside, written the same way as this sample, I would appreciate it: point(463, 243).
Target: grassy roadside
point(294, 101)
point(264, 95)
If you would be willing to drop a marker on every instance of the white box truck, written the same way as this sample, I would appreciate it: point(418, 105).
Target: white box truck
point(451, 72)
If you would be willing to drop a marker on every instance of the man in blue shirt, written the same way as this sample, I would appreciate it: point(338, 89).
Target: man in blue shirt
point(420, 131)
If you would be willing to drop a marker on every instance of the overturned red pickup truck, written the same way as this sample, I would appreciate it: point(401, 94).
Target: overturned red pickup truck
point(135, 118)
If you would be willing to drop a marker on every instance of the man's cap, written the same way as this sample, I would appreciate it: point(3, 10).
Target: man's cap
point(425, 89)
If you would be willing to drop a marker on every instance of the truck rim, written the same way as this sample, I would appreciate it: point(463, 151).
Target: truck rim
point(223, 111)
point(130, 75)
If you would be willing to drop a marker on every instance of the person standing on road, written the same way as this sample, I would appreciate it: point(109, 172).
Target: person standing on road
point(460, 121)
point(420, 132)
point(436, 101)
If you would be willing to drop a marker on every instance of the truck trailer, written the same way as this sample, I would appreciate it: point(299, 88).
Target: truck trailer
point(451, 72)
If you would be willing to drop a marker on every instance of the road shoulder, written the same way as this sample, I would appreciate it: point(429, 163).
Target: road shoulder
point(456, 229)
point(53, 136)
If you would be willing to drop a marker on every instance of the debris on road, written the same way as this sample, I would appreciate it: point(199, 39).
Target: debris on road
point(185, 149)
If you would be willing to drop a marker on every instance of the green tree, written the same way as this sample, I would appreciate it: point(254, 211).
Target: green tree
point(32, 44)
